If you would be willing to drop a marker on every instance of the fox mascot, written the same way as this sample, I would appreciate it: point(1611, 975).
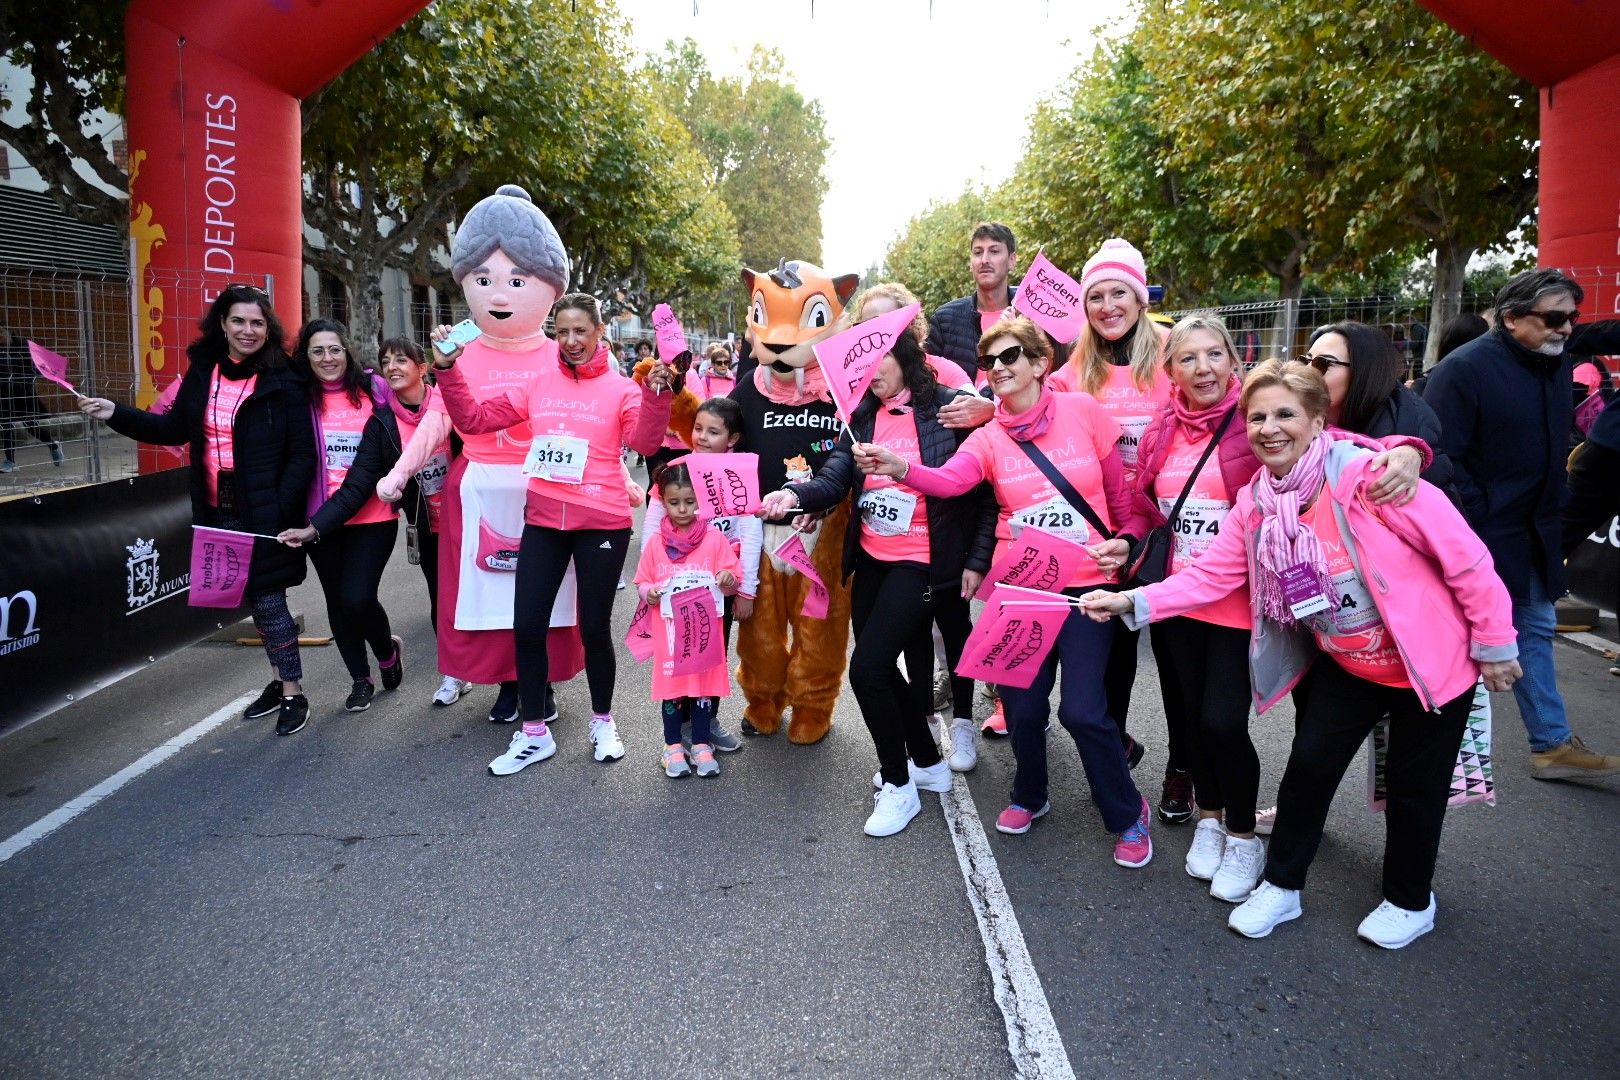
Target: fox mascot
point(789, 421)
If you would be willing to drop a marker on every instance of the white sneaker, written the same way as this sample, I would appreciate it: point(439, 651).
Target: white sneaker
point(622, 585)
point(1265, 910)
point(605, 739)
point(523, 752)
point(1265, 821)
point(450, 690)
point(964, 745)
point(1242, 863)
point(1208, 842)
point(895, 808)
point(1391, 927)
point(937, 777)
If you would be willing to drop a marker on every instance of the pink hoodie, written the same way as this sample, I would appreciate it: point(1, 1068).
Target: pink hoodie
point(1430, 577)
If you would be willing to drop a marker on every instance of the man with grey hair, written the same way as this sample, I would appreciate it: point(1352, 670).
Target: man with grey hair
point(1505, 404)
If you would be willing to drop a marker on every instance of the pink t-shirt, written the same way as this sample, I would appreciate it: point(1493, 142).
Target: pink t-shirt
point(716, 386)
point(1081, 435)
point(1132, 408)
point(987, 319)
point(894, 521)
point(225, 397)
point(430, 478)
point(1200, 520)
point(343, 423)
point(490, 372)
point(714, 554)
point(947, 372)
point(1351, 631)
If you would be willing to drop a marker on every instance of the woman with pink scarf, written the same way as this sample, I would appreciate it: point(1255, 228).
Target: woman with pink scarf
point(1379, 608)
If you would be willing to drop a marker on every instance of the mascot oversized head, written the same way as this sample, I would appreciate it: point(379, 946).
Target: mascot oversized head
point(511, 266)
point(790, 305)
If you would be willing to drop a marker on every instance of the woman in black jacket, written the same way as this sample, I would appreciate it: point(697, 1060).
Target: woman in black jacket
point(246, 419)
point(914, 561)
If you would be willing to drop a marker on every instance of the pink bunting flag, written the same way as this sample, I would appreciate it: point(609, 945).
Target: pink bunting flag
point(1035, 559)
point(1012, 639)
point(816, 598)
point(694, 629)
point(165, 402)
point(850, 359)
point(639, 639)
point(52, 366)
point(668, 337)
point(727, 485)
point(1052, 299)
point(220, 559)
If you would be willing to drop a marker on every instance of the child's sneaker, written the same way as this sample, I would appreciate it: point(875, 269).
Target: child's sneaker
point(995, 725)
point(703, 760)
point(675, 761)
point(1134, 848)
point(605, 739)
point(1015, 820)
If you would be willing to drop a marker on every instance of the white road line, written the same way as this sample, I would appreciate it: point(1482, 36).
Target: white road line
point(1032, 1035)
point(65, 813)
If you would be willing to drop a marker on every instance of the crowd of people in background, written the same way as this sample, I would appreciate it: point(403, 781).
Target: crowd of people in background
point(1370, 549)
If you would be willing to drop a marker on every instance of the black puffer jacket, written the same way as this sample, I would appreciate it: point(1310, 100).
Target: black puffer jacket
point(1405, 413)
point(273, 448)
point(953, 331)
point(377, 453)
point(961, 530)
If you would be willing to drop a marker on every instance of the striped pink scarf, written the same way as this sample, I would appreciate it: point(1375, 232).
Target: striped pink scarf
point(1284, 540)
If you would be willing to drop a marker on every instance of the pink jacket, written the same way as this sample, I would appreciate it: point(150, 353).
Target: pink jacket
point(1431, 578)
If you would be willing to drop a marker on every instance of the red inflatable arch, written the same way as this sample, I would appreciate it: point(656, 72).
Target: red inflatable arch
point(215, 189)
point(1571, 50)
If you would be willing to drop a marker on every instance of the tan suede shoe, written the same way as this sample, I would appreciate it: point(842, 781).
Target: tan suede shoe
point(1570, 761)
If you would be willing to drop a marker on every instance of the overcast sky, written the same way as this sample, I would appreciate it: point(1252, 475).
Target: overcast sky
point(948, 84)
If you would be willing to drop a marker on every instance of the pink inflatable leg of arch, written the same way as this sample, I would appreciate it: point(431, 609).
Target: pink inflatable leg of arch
point(213, 91)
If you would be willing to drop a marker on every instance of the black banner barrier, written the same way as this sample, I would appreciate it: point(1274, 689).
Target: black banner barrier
point(93, 585)
point(1594, 568)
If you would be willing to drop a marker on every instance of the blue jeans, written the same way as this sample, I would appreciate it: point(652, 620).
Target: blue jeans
point(1082, 650)
point(1540, 703)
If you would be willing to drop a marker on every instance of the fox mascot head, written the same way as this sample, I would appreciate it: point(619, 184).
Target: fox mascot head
point(789, 305)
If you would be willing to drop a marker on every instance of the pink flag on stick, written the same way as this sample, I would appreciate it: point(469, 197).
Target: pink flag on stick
point(52, 366)
point(639, 640)
point(220, 559)
point(1035, 559)
point(1052, 299)
point(850, 359)
point(669, 338)
point(165, 402)
point(727, 485)
point(1011, 641)
point(694, 629)
point(816, 599)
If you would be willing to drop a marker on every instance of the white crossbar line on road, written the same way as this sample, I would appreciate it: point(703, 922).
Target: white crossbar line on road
point(65, 813)
point(1032, 1035)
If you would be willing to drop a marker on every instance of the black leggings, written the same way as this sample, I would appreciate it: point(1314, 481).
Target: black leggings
point(1340, 712)
point(1210, 664)
point(892, 610)
point(350, 563)
point(543, 557)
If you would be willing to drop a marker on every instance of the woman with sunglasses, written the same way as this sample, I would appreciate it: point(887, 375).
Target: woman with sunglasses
point(1391, 609)
point(717, 378)
point(1071, 434)
point(246, 418)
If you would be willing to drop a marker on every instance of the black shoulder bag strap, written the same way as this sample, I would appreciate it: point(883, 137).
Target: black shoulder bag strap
point(1192, 479)
point(1066, 489)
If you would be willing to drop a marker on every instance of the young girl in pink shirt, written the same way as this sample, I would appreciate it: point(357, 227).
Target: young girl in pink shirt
point(683, 553)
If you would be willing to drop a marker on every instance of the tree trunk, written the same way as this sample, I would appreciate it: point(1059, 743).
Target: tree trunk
point(1290, 283)
point(366, 320)
point(1450, 271)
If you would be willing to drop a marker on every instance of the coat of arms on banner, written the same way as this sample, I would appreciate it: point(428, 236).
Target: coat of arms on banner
point(141, 582)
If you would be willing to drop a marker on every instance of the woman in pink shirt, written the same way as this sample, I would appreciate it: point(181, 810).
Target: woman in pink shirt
point(581, 413)
point(1379, 608)
point(717, 378)
point(1036, 429)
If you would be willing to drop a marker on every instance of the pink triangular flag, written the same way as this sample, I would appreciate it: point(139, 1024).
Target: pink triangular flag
point(1052, 299)
point(816, 598)
point(52, 366)
point(220, 561)
point(849, 359)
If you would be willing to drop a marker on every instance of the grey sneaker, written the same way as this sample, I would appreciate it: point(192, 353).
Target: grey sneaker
point(723, 740)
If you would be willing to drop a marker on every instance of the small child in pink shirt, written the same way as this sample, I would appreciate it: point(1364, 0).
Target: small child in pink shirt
point(684, 553)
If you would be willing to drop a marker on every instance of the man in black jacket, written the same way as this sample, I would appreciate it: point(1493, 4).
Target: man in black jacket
point(955, 328)
point(1504, 402)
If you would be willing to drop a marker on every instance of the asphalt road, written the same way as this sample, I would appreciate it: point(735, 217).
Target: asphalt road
point(363, 899)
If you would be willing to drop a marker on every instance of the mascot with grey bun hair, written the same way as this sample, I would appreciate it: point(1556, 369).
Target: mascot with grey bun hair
point(511, 266)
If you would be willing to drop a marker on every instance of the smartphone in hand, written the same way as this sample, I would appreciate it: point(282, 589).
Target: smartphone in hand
point(463, 333)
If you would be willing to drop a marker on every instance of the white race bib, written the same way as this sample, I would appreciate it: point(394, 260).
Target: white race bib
point(558, 458)
point(1055, 516)
point(683, 581)
point(888, 511)
point(341, 446)
point(1353, 610)
point(1130, 436)
point(430, 478)
point(1197, 526)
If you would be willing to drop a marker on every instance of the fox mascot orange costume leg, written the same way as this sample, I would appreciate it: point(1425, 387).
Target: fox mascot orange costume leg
point(789, 421)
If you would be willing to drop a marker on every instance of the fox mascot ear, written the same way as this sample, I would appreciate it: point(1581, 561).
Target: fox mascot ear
point(791, 304)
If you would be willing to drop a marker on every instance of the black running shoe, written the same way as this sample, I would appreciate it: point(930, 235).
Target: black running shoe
point(505, 710)
point(1133, 752)
point(393, 675)
point(294, 714)
point(359, 699)
point(1176, 803)
point(266, 703)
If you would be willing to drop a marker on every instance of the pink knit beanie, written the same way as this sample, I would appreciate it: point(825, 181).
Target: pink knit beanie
point(1117, 260)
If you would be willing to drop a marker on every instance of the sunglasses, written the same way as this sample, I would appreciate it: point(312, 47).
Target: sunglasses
point(1553, 320)
point(1006, 358)
point(243, 287)
point(1322, 363)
